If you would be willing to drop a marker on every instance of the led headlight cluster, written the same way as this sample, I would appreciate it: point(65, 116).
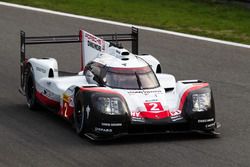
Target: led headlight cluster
point(109, 105)
point(201, 102)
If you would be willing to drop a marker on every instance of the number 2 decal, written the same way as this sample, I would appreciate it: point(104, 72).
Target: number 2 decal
point(66, 110)
point(153, 106)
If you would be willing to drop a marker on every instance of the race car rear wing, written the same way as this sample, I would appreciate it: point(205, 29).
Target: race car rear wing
point(113, 39)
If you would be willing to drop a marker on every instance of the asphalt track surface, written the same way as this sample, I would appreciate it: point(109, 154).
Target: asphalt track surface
point(42, 139)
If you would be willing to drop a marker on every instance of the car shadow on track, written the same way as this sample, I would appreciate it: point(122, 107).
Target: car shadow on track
point(151, 138)
point(21, 113)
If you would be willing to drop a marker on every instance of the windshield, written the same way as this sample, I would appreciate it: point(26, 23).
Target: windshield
point(138, 78)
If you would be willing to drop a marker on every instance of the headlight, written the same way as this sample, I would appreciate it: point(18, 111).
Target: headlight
point(201, 102)
point(109, 105)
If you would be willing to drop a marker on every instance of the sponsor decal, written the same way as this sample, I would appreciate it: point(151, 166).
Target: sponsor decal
point(205, 120)
point(111, 124)
point(151, 100)
point(210, 125)
point(94, 46)
point(135, 114)
point(135, 92)
point(176, 118)
point(176, 112)
point(93, 38)
point(145, 92)
point(48, 93)
point(137, 119)
point(97, 129)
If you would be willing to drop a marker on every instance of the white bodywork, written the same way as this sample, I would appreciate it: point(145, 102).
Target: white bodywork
point(166, 97)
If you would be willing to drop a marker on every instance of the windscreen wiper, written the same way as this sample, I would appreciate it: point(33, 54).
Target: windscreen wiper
point(138, 81)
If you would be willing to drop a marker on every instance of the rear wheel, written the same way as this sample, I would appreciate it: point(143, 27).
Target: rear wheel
point(79, 118)
point(30, 90)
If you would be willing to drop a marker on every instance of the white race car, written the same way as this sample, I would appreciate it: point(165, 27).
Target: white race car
point(116, 92)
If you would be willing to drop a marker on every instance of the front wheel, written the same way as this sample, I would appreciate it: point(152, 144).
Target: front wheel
point(79, 118)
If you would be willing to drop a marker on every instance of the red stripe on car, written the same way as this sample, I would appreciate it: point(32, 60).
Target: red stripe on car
point(45, 100)
point(155, 115)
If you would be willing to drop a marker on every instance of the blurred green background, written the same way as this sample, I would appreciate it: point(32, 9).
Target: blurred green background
point(227, 20)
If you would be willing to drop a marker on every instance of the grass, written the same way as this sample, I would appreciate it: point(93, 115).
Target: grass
point(226, 21)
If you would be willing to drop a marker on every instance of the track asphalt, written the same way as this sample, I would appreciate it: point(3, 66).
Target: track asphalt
point(42, 139)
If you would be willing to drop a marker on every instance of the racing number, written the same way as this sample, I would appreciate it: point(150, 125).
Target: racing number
point(153, 106)
point(66, 109)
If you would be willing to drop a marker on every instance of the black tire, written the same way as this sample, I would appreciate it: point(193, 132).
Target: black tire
point(79, 118)
point(30, 90)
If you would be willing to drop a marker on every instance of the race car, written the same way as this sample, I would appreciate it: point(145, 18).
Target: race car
point(116, 92)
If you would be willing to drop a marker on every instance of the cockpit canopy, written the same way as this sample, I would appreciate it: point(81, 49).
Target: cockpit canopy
point(121, 78)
